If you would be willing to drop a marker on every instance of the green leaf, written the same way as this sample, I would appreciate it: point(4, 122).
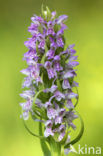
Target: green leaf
point(46, 80)
point(43, 12)
point(55, 147)
point(38, 136)
point(59, 85)
point(48, 13)
point(37, 94)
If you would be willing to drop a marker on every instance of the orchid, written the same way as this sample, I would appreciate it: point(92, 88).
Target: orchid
point(50, 82)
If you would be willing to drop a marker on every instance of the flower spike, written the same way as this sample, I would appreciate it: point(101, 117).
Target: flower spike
point(49, 82)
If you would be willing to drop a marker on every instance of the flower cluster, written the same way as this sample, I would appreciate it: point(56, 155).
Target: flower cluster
point(50, 76)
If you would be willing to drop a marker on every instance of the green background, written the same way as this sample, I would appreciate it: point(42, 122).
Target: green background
point(86, 31)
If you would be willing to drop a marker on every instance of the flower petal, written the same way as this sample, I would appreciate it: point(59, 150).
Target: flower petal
point(61, 19)
point(51, 113)
point(66, 84)
point(61, 136)
point(59, 95)
point(48, 132)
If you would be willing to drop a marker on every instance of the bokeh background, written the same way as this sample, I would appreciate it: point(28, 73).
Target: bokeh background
point(86, 31)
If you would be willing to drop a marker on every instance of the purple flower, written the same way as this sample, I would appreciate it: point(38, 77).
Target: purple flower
point(33, 29)
point(50, 31)
point(75, 84)
point(69, 104)
point(31, 43)
point(48, 132)
point(27, 94)
point(73, 64)
point(52, 89)
point(25, 115)
point(71, 95)
point(53, 44)
point(50, 24)
point(27, 82)
point(59, 95)
point(62, 112)
point(48, 123)
point(63, 26)
point(50, 54)
point(68, 74)
point(51, 73)
point(31, 54)
point(39, 103)
point(30, 61)
point(58, 120)
point(57, 58)
point(59, 117)
point(53, 14)
point(48, 104)
point(41, 39)
point(57, 66)
point(71, 46)
point(47, 65)
point(66, 52)
point(72, 125)
point(25, 71)
point(37, 19)
point(34, 73)
point(51, 113)
point(42, 45)
point(73, 58)
point(61, 19)
point(70, 116)
point(66, 84)
point(56, 63)
point(26, 106)
point(72, 51)
point(62, 128)
point(60, 42)
point(61, 136)
point(61, 31)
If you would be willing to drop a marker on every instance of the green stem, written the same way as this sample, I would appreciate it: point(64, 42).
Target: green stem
point(62, 150)
point(55, 152)
point(55, 148)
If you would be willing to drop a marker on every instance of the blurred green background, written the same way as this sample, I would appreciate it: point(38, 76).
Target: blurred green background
point(86, 31)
